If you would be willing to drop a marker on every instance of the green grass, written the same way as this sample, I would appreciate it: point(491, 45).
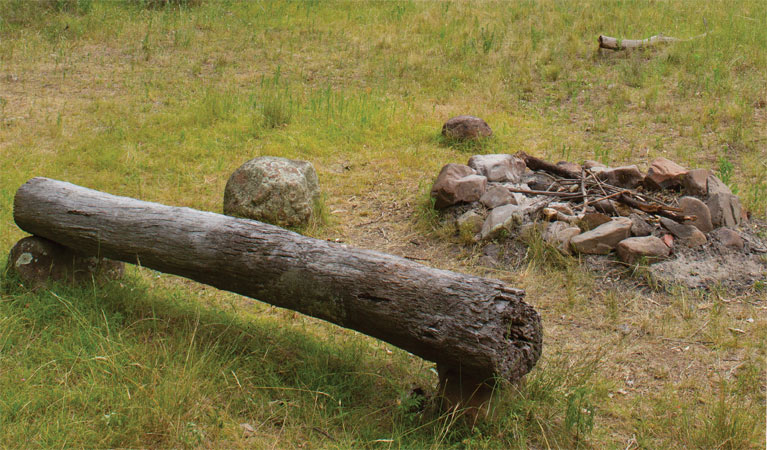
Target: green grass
point(163, 100)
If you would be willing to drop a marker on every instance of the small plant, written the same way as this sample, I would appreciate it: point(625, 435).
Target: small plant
point(579, 417)
point(725, 171)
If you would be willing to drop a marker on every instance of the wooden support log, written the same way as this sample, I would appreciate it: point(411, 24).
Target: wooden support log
point(474, 326)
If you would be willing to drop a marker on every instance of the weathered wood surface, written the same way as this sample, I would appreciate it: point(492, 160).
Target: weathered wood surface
point(475, 325)
point(612, 43)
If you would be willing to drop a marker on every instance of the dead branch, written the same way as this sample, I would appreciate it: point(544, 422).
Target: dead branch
point(616, 44)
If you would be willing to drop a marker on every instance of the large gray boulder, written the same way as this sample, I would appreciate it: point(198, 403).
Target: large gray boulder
point(274, 190)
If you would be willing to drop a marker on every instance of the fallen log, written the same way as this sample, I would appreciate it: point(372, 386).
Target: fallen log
point(611, 43)
point(473, 327)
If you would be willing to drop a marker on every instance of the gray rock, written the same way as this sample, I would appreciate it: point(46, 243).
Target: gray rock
point(503, 218)
point(591, 165)
point(726, 210)
point(691, 206)
point(626, 176)
point(469, 223)
point(593, 220)
point(559, 235)
point(570, 166)
point(38, 262)
point(688, 235)
point(602, 239)
point(446, 190)
point(496, 196)
point(606, 206)
point(466, 127)
point(639, 226)
point(695, 182)
point(537, 181)
point(274, 190)
point(649, 247)
point(664, 174)
point(564, 208)
point(728, 238)
point(715, 186)
point(499, 168)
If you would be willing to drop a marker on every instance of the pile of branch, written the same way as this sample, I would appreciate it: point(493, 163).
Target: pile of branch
point(586, 188)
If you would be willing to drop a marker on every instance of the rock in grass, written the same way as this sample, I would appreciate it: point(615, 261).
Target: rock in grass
point(649, 247)
point(500, 168)
point(466, 128)
point(559, 235)
point(469, 223)
point(38, 262)
point(602, 239)
point(274, 190)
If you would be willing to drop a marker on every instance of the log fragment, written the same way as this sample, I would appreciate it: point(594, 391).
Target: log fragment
point(467, 324)
point(611, 43)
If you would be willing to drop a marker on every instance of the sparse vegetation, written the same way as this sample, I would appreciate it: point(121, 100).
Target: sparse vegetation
point(163, 99)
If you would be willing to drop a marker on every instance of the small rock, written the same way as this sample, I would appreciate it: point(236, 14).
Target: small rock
point(691, 206)
point(498, 167)
point(728, 238)
point(487, 261)
point(606, 206)
point(496, 196)
point(505, 217)
point(537, 181)
point(651, 248)
point(559, 235)
point(469, 223)
point(602, 239)
point(38, 261)
point(664, 174)
point(564, 208)
point(628, 177)
point(570, 166)
point(591, 165)
point(274, 190)
point(695, 182)
point(593, 220)
point(688, 235)
point(448, 189)
point(668, 240)
point(715, 186)
point(466, 127)
point(639, 226)
point(725, 209)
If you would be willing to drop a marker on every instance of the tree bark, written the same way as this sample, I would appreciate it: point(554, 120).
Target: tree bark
point(471, 324)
